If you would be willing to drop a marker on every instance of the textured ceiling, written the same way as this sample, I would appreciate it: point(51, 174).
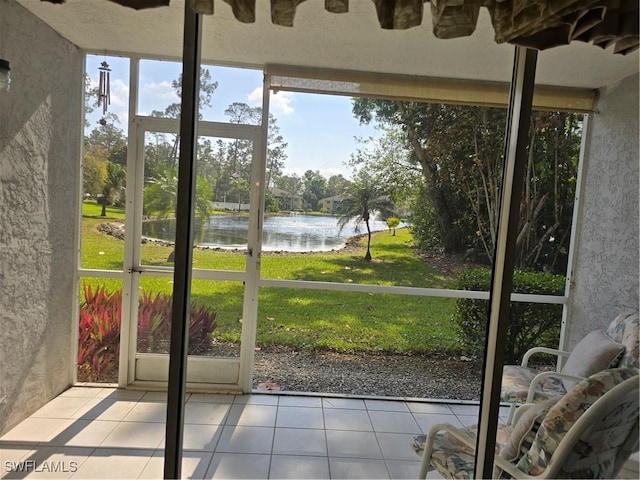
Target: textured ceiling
point(349, 41)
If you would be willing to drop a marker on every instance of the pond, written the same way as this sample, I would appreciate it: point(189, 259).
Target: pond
point(293, 233)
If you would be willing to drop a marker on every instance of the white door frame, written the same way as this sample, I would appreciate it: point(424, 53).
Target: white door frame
point(208, 374)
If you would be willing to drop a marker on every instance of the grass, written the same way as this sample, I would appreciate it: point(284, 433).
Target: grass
point(305, 318)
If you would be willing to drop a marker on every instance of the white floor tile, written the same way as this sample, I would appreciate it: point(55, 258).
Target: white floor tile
point(300, 417)
point(343, 419)
point(210, 398)
point(150, 412)
point(84, 433)
point(465, 409)
point(438, 408)
point(296, 401)
point(114, 463)
point(113, 433)
point(285, 466)
point(109, 409)
point(56, 462)
point(136, 435)
point(426, 421)
point(242, 439)
point(299, 441)
point(394, 422)
point(200, 437)
point(121, 394)
point(387, 405)
point(86, 392)
point(194, 465)
point(357, 468)
point(467, 420)
point(158, 397)
point(234, 465)
point(10, 457)
point(36, 430)
point(206, 413)
point(352, 444)
point(396, 446)
point(252, 415)
point(401, 469)
point(349, 403)
point(257, 399)
point(61, 407)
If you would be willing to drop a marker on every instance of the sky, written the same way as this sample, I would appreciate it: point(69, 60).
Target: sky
point(320, 130)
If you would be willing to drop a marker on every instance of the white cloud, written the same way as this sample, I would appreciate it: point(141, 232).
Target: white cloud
point(161, 91)
point(279, 102)
point(119, 93)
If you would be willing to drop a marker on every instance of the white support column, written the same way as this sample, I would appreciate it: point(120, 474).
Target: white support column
point(129, 316)
point(254, 246)
point(574, 240)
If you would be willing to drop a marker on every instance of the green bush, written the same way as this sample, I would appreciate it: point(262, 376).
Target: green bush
point(530, 324)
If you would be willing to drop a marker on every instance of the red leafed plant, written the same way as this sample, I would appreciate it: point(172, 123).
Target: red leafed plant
point(99, 336)
point(154, 325)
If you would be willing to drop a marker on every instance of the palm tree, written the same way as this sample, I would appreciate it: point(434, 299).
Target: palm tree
point(364, 199)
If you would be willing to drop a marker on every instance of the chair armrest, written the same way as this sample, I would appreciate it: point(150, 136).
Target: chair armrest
point(534, 350)
point(428, 446)
point(541, 376)
point(470, 442)
point(511, 468)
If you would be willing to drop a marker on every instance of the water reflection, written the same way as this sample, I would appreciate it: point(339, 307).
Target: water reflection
point(295, 233)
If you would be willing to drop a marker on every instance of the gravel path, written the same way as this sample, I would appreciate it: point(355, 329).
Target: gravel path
point(383, 375)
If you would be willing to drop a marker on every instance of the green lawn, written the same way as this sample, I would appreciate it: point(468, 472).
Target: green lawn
point(304, 318)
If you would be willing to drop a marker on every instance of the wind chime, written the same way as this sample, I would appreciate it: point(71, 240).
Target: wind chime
point(104, 87)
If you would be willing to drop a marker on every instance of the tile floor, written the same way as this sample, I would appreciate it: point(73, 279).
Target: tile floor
point(108, 433)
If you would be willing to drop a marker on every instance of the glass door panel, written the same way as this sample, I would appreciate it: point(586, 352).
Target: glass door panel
point(221, 236)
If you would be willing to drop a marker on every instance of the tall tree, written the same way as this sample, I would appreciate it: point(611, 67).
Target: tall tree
point(336, 185)
point(113, 187)
point(94, 174)
point(314, 188)
point(364, 199)
point(207, 88)
point(457, 152)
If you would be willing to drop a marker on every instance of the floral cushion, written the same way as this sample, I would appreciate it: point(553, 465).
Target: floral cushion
point(525, 427)
point(515, 385)
point(594, 353)
point(453, 458)
point(625, 329)
point(596, 454)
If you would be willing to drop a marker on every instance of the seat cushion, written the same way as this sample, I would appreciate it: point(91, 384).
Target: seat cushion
point(525, 428)
point(453, 458)
point(594, 353)
point(588, 459)
point(625, 329)
point(516, 381)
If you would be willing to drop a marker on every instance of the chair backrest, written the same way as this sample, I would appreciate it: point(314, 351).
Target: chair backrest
point(625, 329)
point(591, 431)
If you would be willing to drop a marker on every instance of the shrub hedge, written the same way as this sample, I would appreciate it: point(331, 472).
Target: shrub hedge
point(530, 324)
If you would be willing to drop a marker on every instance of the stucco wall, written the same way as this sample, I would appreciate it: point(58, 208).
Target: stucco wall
point(40, 128)
point(607, 263)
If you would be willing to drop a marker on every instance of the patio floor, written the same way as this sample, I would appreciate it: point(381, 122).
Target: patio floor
point(108, 433)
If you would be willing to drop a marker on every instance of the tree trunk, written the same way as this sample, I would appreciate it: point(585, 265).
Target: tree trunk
point(451, 238)
point(367, 256)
